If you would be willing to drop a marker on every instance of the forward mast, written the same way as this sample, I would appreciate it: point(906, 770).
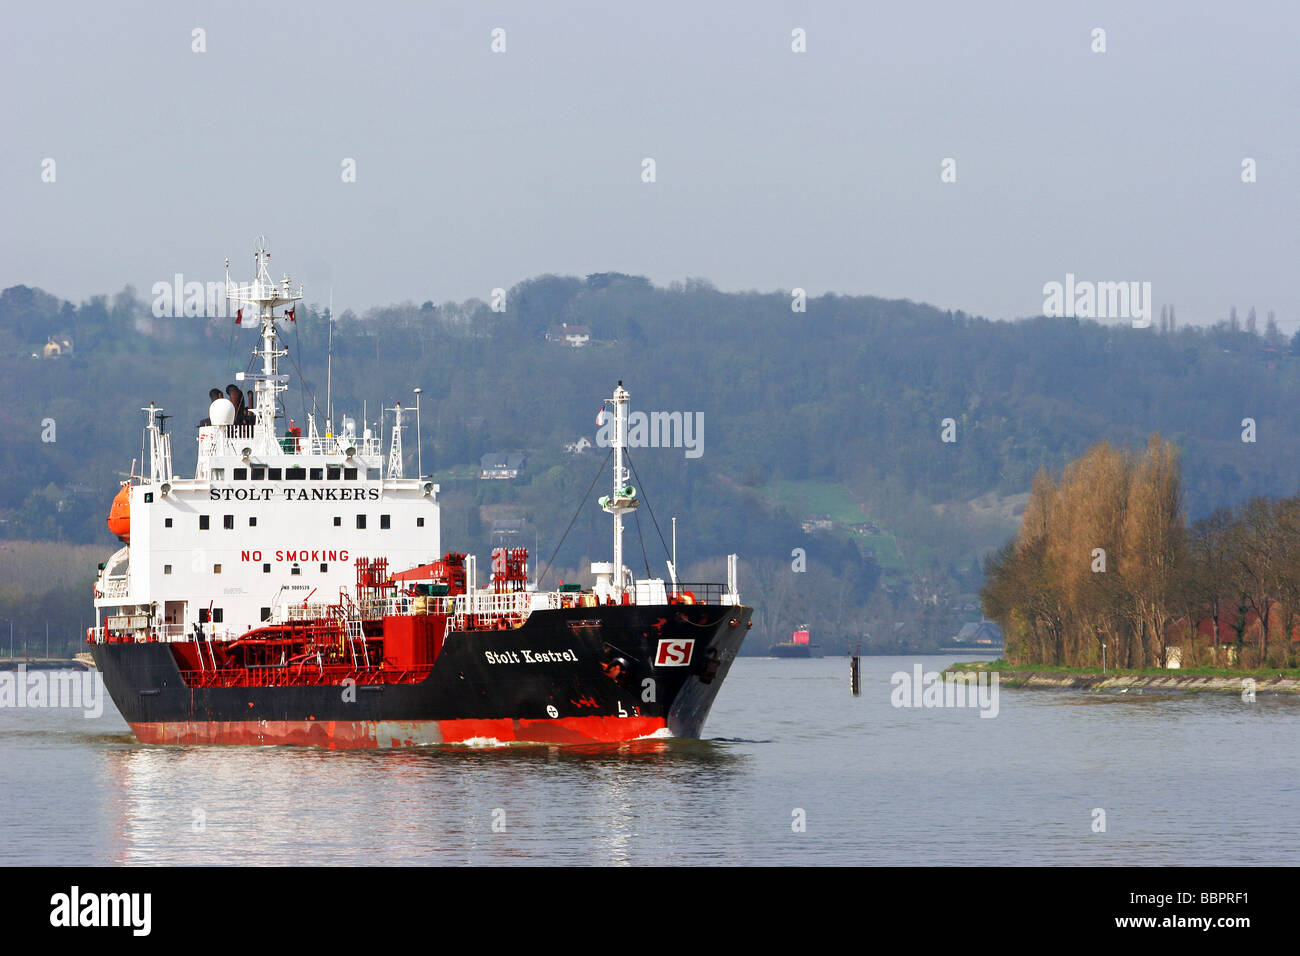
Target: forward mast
point(265, 295)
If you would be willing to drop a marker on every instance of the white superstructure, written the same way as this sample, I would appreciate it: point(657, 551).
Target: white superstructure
point(268, 520)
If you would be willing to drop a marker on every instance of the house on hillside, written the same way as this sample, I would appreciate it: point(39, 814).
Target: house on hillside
point(979, 634)
point(816, 523)
point(578, 446)
point(57, 346)
point(574, 336)
point(497, 464)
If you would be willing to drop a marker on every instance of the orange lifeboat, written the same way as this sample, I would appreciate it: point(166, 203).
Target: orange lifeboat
point(119, 514)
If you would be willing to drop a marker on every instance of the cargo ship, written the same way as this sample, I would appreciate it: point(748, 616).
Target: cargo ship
point(294, 592)
point(799, 645)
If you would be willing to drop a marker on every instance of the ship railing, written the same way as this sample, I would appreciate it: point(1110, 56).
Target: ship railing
point(491, 602)
point(704, 593)
point(307, 612)
point(402, 605)
point(309, 674)
point(158, 632)
point(546, 601)
point(569, 599)
point(232, 439)
point(337, 445)
point(224, 439)
point(485, 607)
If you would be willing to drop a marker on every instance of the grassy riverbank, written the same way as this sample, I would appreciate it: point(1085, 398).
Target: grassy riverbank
point(1220, 679)
point(1003, 667)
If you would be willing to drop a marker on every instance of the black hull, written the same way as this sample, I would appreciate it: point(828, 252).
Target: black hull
point(543, 681)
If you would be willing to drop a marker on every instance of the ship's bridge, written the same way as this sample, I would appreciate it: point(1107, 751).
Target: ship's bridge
point(274, 512)
point(240, 441)
point(220, 444)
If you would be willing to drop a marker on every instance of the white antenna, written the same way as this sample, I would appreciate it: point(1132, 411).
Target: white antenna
point(673, 567)
point(329, 366)
point(419, 454)
point(395, 445)
point(265, 295)
point(624, 498)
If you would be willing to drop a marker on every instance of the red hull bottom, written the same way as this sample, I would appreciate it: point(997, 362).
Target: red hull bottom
point(370, 734)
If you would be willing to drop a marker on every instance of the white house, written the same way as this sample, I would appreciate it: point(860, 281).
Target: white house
point(574, 336)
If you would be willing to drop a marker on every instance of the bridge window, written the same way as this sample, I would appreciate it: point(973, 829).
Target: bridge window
point(295, 474)
point(372, 474)
point(259, 473)
point(167, 569)
point(317, 474)
point(203, 522)
point(167, 522)
point(384, 522)
point(338, 522)
point(274, 473)
point(228, 522)
point(419, 522)
point(265, 613)
point(361, 521)
point(266, 569)
point(252, 522)
point(218, 474)
point(349, 474)
point(216, 569)
point(241, 474)
point(295, 570)
point(324, 567)
point(332, 472)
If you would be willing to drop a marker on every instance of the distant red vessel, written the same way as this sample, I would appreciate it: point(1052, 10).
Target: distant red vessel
point(799, 645)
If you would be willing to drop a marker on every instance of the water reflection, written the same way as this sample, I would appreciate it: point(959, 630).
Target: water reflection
point(587, 804)
point(879, 784)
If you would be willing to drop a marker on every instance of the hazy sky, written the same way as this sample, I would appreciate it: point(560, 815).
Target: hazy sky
point(774, 169)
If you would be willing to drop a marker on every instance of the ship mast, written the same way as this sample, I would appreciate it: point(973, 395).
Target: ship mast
point(395, 446)
point(623, 499)
point(265, 295)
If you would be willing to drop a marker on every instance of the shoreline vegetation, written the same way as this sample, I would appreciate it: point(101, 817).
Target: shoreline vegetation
point(1193, 679)
point(1106, 574)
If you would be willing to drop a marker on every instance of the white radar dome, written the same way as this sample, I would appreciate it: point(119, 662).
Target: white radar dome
point(222, 412)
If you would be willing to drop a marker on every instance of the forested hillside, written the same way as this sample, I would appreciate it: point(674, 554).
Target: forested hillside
point(833, 417)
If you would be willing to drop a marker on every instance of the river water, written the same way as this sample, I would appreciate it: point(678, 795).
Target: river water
point(795, 770)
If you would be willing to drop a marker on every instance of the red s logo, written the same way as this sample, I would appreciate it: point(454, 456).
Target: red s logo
point(675, 652)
